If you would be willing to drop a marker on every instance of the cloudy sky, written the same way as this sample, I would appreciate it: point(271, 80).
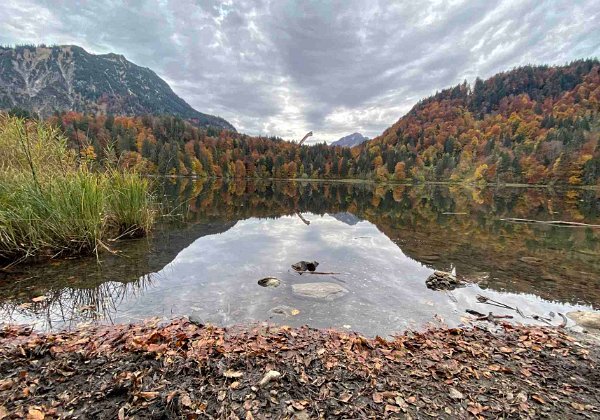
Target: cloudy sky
point(283, 67)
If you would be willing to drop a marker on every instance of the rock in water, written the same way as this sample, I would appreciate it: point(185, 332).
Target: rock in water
point(301, 266)
point(586, 319)
point(441, 280)
point(195, 319)
point(269, 282)
point(324, 290)
point(283, 310)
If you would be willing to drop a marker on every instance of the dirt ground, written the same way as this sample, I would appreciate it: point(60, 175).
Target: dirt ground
point(181, 370)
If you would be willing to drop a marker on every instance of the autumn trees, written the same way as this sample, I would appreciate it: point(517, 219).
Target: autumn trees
point(532, 125)
point(528, 125)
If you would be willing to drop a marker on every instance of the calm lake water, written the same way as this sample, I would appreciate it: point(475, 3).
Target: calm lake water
point(381, 241)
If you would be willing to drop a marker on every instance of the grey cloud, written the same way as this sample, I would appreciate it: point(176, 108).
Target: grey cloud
point(284, 67)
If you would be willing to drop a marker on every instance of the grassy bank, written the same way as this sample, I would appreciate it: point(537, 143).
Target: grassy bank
point(51, 203)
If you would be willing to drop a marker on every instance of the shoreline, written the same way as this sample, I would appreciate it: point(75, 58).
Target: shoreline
point(175, 369)
point(465, 184)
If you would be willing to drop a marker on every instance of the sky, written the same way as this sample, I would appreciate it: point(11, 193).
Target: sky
point(283, 67)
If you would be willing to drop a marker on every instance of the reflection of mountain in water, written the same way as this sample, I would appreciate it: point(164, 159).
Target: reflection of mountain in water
point(443, 227)
point(347, 218)
point(81, 289)
point(440, 227)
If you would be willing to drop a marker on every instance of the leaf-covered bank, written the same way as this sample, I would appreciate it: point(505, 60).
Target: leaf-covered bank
point(180, 370)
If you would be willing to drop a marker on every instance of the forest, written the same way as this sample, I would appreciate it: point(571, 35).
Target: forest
point(533, 124)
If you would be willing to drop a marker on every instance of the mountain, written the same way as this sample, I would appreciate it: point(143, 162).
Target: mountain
point(68, 78)
point(350, 140)
point(346, 217)
point(532, 124)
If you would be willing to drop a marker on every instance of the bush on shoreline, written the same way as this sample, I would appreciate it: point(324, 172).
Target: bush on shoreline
point(51, 204)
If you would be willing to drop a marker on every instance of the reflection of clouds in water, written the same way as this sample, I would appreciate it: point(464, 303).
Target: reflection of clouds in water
point(216, 278)
point(216, 275)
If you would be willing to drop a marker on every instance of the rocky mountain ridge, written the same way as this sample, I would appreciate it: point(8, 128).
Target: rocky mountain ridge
point(67, 78)
point(350, 140)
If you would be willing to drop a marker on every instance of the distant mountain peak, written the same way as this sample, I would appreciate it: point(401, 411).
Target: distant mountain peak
point(67, 78)
point(350, 140)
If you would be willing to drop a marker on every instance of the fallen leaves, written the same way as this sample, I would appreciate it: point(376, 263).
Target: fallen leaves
point(148, 395)
point(6, 384)
point(345, 397)
point(185, 401)
point(194, 371)
point(35, 414)
point(538, 399)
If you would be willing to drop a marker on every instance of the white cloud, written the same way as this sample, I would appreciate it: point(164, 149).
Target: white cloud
point(283, 67)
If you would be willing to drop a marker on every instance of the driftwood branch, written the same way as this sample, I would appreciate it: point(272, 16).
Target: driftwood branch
point(315, 272)
point(484, 299)
point(564, 323)
point(306, 222)
point(490, 317)
point(549, 222)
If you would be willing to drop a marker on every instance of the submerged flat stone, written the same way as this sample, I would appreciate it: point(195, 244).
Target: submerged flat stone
point(282, 310)
point(321, 290)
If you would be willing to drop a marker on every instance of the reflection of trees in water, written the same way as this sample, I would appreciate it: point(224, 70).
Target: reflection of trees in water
point(439, 226)
point(66, 307)
point(407, 204)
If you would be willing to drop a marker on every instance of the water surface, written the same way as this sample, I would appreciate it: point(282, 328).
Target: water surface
point(381, 241)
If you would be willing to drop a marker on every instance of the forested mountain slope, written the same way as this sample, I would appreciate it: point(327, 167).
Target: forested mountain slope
point(531, 124)
point(528, 125)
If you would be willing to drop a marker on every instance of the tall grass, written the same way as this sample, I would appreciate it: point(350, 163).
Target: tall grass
point(50, 205)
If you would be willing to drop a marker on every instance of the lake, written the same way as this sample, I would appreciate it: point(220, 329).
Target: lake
point(381, 242)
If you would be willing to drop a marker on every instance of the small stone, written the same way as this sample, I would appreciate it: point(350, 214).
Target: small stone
point(455, 394)
point(196, 319)
point(269, 282)
point(269, 376)
point(283, 310)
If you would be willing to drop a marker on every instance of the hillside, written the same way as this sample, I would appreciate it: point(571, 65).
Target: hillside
point(528, 125)
point(531, 124)
point(67, 78)
point(350, 140)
